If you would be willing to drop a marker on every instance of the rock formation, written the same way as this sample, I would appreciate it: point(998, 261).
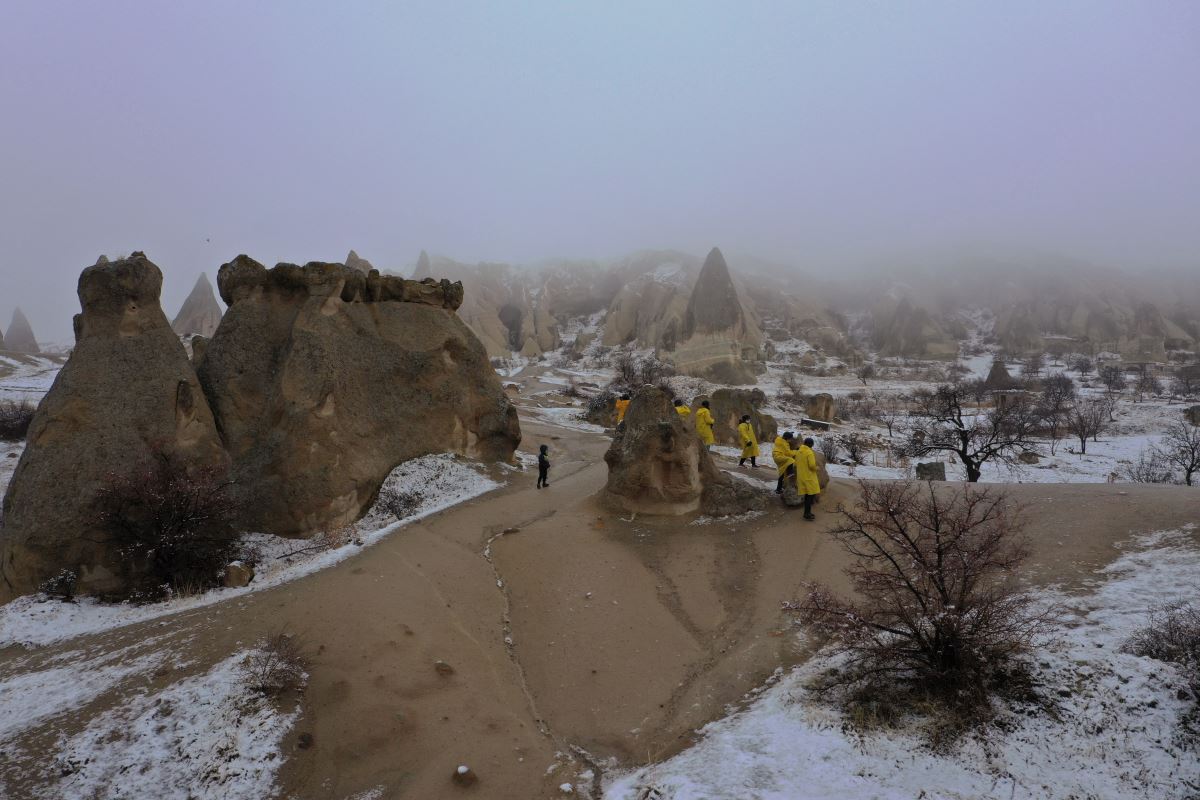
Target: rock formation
point(791, 491)
point(200, 314)
point(353, 261)
point(821, 407)
point(901, 328)
point(719, 339)
point(423, 266)
point(998, 378)
point(20, 338)
point(729, 405)
point(323, 379)
point(656, 465)
point(127, 391)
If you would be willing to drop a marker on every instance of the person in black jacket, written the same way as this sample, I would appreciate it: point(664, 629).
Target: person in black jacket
point(543, 467)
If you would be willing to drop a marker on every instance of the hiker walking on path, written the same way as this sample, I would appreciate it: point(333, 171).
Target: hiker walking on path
point(749, 442)
point(543, 467)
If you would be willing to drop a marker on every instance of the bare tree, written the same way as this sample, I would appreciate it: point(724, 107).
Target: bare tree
point(865, 373)
point(1186, 380)
point(943, 420)
point(1147, 384)
point(1087, 419)
point(1180, 447)
point(1058, 391)
point(891, 412)
point(1033, 365)
point(1084, 366)
point(1113, 378)
point(936, 609)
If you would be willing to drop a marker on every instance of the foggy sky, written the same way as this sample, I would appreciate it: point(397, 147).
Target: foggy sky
point(819, 134)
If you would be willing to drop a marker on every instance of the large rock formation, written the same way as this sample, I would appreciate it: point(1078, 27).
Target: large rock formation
point(200, 313)
point(729, 405)
point(899, 327)
point(719, 339)
point(656, 465)
point(323, 379)
point(126, 392)
point(20, 338)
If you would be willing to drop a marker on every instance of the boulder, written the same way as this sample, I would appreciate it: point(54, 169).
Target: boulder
point(126, 392)
point(999, 379)
point(20, 338)
point(237, 575)
point(1028, 457)
point(791, 494)
point(200, 314)
point(729, 405)
point(656, 465)
point(821, 407)
point(931, 471)
point(323, 379)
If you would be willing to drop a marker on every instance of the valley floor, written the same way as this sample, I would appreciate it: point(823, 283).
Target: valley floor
point(558, 650)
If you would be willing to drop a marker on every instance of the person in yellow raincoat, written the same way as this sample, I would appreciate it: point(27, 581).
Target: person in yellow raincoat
point(704, 425)
point(749, 441)
point(807, 481)
point(622, 407)
point(785, 459)
point(680, 408)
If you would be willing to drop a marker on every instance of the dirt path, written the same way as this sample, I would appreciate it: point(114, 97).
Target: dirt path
point(576, 638)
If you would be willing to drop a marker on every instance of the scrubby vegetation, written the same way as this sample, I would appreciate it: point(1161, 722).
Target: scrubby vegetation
point(937, 623)
point(15, 417)
point(171, 525)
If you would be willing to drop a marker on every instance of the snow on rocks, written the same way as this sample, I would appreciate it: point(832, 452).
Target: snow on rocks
point(1115, 734)
point(430, 483)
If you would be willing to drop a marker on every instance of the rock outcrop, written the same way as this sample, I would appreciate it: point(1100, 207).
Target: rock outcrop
point(821, 407)
point(719, 339)
point(998, 378)
point(200, 313)
point(127, 392)
point(729, 405)
point(323, 379)
point(657, 466)
point(20, 338)
point(901, 328)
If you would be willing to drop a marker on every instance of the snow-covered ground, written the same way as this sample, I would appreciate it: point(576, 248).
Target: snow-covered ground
point(440, 481)
point(26, 377)
point(210, 735)
point(1116, 733)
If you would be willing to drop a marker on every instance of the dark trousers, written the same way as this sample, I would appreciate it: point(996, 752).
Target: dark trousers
point(808, 501)
point(543, 477)
point(791, 470)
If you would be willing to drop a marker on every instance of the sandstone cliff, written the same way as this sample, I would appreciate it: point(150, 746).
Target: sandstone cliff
point(720, 339)
point(20, 338)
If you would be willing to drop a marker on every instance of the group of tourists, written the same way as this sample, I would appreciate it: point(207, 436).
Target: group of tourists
point(797, 462)
point(800, 462)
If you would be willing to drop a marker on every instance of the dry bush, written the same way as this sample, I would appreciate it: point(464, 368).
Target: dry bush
point(61, 586)
point(793, 390)
point(399, 503)
point(14, 419)
point(1150, 467)
point(1172, 634)
point(572, 389)
point(171, 524)
point(829, 447)
point(856, 446)
point(278, 664)
point(937, 623)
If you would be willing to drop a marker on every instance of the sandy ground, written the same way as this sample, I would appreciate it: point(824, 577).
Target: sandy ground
point(576, 637)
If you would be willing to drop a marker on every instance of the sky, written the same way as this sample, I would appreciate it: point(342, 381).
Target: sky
point(819, 134)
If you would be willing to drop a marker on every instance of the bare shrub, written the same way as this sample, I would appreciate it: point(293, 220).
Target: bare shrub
point(829, 448)
point(276, 665)
point(1173, 635)
point(171, 525)
point(625, 369)
point(399, 503)
point(15, 417)
point(938, 616)
point(1149, 468)
point(855, 445)
point(61, 586)
point(793, 390)
point(865, 373)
